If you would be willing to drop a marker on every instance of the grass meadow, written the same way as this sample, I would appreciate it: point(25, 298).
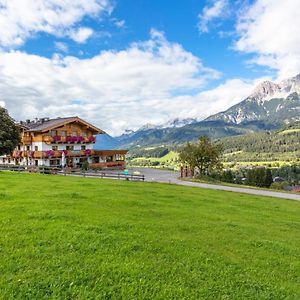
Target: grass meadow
point(82, 238)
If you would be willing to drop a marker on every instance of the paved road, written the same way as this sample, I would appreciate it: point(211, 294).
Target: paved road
point(155, 175)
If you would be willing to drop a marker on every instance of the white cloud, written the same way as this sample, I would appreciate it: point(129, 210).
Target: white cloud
point(226, 95)
point(120, 23)
point(81, 34)
point(20, 20)
point(207, 102)
point(116, 89)
point(268, 28)
point(210, 13)
point(62, 47)
point(2, 103)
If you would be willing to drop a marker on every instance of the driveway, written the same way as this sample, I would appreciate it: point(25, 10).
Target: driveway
point(155, 175)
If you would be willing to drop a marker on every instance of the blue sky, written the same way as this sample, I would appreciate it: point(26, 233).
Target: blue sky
point(123, 63)
point(177, 19)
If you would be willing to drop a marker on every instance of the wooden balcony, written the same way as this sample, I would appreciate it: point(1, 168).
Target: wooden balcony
point(68, 139)
point(46, 154)
point(26, 140)
point(70, 153)
point(17, 154)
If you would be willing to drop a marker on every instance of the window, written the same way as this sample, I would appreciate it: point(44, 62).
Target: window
point(74, 133)
point(19, 147)
point(27, 148)
point(83, 147)
point(53, 132)
point(63, 133)
point(54, 148)
point(84, 134)
point(70, 148)
point(36, 148)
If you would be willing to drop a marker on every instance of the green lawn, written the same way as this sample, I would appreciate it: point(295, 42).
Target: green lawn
point(81, 238)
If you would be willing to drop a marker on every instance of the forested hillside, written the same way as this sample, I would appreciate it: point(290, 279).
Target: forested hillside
point(281, 145)
point(271, 147)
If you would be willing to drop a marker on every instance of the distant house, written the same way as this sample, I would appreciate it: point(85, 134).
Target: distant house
point(278, 179)
point(61, 142)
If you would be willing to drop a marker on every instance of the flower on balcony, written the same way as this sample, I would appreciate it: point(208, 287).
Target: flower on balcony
point(57, 138)
point(92, 139)
point(80, 139)
point(87, 152)
point(49, 153)
point(30, 153)
point(66, 152)
point(18, 153)
point(74, 139)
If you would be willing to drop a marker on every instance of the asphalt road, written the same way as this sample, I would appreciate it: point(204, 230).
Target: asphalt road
point(155, 175)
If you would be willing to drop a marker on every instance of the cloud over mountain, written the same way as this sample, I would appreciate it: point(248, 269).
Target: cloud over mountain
point(114, 89)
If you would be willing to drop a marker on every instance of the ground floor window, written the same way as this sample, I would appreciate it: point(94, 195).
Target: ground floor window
point(96, 159)
point(109, 158)
point(54, 162)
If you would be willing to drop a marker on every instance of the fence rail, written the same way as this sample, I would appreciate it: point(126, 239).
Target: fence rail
point(73, 172)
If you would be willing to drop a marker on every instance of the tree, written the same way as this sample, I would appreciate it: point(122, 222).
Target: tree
point(9, 133)
point(203, 155)
point(260, 177)
point(268, 178)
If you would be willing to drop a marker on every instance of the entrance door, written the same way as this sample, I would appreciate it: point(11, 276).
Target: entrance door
point(69, 162)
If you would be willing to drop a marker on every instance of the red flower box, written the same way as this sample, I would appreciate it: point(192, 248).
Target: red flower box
point(57, 138)
point(49, 153)
point(87, 152)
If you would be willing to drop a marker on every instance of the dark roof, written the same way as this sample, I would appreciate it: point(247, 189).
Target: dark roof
point(47, 124)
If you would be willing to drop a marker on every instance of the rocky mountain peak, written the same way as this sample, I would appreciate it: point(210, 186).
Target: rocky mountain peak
point(266, 89)
point(270, 102)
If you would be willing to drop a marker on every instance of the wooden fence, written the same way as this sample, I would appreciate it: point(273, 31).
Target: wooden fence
point(74, 172)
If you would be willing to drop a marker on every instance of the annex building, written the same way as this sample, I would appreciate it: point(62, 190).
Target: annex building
point(62, 142)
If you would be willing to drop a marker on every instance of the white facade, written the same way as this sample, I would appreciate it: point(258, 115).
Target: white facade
point(42, 146)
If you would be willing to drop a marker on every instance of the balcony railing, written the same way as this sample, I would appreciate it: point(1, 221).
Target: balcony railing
point(68, 153)
point(26, 140)
point(69, 139)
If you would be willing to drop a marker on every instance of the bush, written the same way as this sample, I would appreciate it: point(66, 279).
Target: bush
point(260, 177)
point(85, 166)
point(279, 185)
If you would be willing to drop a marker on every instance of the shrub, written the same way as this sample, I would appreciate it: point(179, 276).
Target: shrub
point(279, 185)
point(85, 166)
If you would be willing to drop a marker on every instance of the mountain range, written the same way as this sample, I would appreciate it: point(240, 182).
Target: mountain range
point(268, 107)
point(269, 102)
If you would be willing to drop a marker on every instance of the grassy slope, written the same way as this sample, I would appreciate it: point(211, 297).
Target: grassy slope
point(85, 238)
point(169, 159)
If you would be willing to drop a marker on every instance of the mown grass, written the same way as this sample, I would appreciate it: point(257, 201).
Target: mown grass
point(81, 238)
